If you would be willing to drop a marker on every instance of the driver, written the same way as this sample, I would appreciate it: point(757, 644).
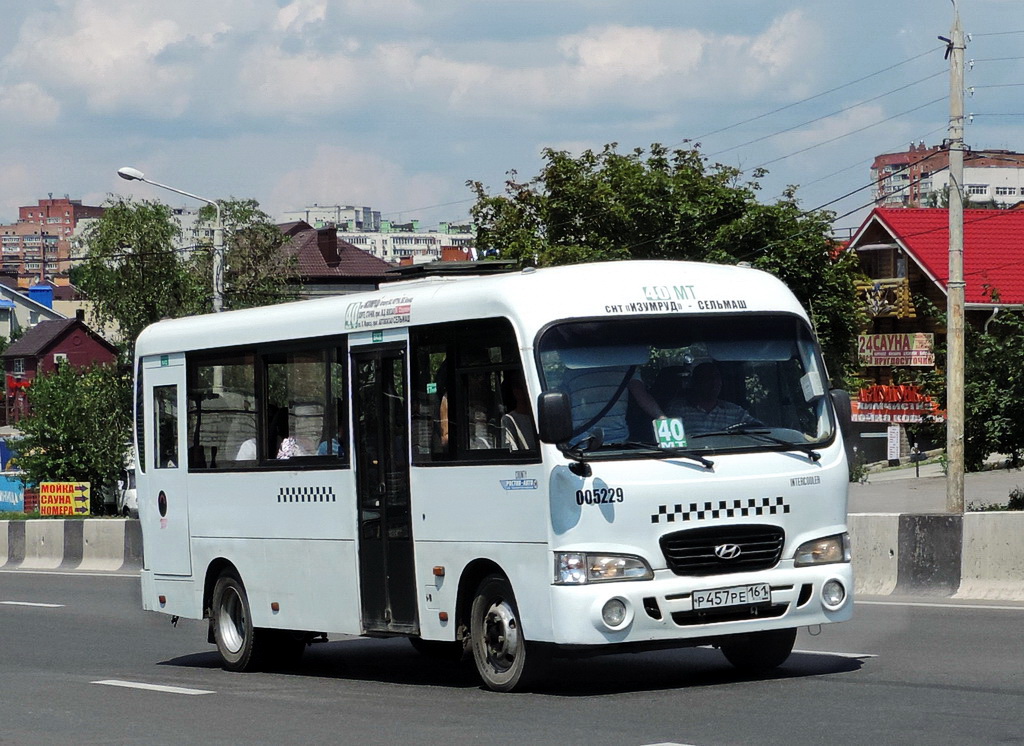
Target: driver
point(700, 408)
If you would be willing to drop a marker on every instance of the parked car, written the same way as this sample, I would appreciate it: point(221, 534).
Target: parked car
point(127, 498)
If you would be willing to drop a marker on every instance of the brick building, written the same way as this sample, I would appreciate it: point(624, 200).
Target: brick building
point(910, 178)
point(38, 245)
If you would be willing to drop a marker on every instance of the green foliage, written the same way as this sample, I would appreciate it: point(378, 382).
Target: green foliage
point(672, 204)
point(1015, 501)
point(135, 275)
point(258, 270)
point(78, 428)
point(132, 273)
point(993, 390)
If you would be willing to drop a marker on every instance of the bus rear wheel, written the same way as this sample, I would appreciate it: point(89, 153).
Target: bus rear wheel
point(240, 645)
point(758, 652)
point(500, 650)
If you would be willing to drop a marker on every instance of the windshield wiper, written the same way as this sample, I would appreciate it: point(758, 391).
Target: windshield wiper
point(655, 452)
point(763, 434)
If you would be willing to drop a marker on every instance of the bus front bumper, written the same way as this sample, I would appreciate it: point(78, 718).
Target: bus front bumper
point(671, 607)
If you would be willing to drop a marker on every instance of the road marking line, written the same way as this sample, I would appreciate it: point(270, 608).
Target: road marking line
point(933, 605)
point(153, 687)
point(837, 655)
point(32, 603)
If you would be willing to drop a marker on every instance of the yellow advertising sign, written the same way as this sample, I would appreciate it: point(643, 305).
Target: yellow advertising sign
point(64, 498)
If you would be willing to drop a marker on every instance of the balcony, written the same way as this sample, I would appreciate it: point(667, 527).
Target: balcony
point(887, 298)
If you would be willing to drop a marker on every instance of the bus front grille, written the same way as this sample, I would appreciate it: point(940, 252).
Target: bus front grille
point(741, 548)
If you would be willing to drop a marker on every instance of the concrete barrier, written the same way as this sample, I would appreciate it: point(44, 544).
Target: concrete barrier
point(975, 556)
point(875, 540)
point(993, 556)
point(44, 545)
point(930, 553)
point(99, 544)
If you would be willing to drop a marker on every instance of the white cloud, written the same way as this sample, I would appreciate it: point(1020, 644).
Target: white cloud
point(27, 103)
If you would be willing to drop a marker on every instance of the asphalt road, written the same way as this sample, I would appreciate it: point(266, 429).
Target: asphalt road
point(900, 672)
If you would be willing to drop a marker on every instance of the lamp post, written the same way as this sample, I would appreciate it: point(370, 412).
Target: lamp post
point(133, 174)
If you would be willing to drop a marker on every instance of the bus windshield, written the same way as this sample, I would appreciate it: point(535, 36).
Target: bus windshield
point(699, 383)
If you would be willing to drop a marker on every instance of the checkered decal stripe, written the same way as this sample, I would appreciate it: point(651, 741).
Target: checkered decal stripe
point(754, 506)
point(306, 495)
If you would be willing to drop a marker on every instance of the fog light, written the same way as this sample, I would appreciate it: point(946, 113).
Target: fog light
point(614, 612)
point(833, 594)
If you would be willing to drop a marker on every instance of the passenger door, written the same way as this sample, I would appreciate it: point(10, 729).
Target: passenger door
point(380, 411)
point(163, 508)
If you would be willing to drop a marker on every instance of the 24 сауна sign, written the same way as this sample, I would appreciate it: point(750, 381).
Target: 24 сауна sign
point(903, 348)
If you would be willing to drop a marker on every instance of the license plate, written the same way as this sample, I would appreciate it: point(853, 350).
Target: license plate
point(740, 595)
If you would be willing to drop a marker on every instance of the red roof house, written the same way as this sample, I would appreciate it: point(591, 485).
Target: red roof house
point(42, 348)
point(913, 245)
point(905, 254)
point(328, 265)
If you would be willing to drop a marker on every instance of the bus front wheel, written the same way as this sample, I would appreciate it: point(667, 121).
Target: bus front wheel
point(239, 644)
point(758, 652)
point(500, 650)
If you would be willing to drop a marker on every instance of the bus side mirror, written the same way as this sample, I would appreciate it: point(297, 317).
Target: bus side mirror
point(554, 417)
point(841, 403)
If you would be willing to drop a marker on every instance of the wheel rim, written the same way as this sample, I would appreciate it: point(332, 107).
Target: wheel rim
point(231, 621)
point(501, 636)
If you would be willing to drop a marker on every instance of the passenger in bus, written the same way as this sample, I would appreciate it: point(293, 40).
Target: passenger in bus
point(700, 408)
point(246, 450)
point(517, 423)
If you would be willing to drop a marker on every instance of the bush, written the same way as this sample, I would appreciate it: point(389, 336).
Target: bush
point(1015, 501)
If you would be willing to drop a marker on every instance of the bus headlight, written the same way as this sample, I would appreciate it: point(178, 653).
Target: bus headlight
point(825, 551)
point(576, 568)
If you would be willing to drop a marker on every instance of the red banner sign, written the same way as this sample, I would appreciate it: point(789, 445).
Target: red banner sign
point(901, 404)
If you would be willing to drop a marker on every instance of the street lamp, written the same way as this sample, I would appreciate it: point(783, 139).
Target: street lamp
point(133, 174)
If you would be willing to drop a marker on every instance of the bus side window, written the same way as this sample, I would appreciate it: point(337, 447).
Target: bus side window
point(221, 410)
point(165, 421)
point(463, 375)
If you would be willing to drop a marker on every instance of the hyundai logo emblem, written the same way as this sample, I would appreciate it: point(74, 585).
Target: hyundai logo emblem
point(728, 551)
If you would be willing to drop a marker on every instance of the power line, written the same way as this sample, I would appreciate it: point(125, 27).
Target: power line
point(852, 132)
point(826, 116)
point(805, 100)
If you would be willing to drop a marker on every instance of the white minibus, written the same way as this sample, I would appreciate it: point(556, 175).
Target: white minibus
point(552, 462)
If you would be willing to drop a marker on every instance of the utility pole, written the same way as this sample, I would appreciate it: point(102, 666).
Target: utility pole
point(955, 286)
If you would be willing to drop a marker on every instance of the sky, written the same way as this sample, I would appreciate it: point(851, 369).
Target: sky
point(396, 104)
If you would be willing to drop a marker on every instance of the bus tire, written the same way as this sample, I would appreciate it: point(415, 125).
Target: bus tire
point(500, 651)
point(758, 652)
point(240, 645)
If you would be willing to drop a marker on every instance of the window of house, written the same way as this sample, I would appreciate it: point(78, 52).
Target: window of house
point(977, 188)
point(1004, 191)
point(19, 365)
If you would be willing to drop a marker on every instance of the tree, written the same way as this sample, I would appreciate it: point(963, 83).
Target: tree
point(133, 272)
point(259, 270)
point(993, 390)
point(673, 204)
point(78, 428)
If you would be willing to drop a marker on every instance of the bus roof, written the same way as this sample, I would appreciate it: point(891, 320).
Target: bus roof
point(531, 298)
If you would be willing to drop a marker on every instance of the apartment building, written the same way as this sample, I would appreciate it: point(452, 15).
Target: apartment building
point(38, 245)
point(916, 176)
